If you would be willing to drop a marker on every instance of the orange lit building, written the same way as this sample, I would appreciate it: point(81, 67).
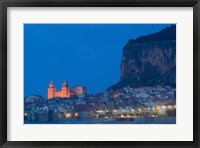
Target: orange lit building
point(116, 95)
point(64, 93)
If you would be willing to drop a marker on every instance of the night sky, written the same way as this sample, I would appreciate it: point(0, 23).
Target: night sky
point(82, 54)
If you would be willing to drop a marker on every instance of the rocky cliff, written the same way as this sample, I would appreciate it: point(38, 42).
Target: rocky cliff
point(149, 60)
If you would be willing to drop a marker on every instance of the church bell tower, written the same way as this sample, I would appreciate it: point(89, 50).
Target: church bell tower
point(51, 90)
point(65, 90)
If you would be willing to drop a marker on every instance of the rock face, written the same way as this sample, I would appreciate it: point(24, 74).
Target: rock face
point(149, 60)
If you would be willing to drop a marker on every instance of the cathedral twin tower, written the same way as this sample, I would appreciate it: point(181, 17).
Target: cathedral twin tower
point(64, 93)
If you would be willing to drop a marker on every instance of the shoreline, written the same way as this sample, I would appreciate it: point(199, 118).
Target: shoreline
point(147, 120)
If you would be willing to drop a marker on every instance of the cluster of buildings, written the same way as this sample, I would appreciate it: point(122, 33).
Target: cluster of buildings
point(74, 104)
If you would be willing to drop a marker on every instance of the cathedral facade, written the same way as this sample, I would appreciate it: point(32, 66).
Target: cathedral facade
point(63, 93)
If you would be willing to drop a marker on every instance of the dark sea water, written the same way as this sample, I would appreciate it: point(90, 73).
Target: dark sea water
point(160, 120)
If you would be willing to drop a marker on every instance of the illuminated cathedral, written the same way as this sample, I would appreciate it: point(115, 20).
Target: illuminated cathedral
point(63, 93)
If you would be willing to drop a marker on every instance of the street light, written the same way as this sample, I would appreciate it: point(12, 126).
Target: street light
point(68, 115)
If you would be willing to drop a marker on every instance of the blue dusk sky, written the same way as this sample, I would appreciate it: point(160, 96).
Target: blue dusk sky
point(81, 54)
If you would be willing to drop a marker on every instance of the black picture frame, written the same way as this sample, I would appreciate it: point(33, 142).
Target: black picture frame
point(4, 4)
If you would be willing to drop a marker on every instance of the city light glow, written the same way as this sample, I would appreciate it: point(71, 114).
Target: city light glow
point(68, 115)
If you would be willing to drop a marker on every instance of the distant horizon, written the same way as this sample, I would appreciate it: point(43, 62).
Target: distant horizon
point(82, 54)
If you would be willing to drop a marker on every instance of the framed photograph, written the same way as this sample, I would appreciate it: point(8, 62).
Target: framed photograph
point(100, 73)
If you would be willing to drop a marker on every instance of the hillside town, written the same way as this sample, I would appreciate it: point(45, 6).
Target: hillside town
point(77, 105)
